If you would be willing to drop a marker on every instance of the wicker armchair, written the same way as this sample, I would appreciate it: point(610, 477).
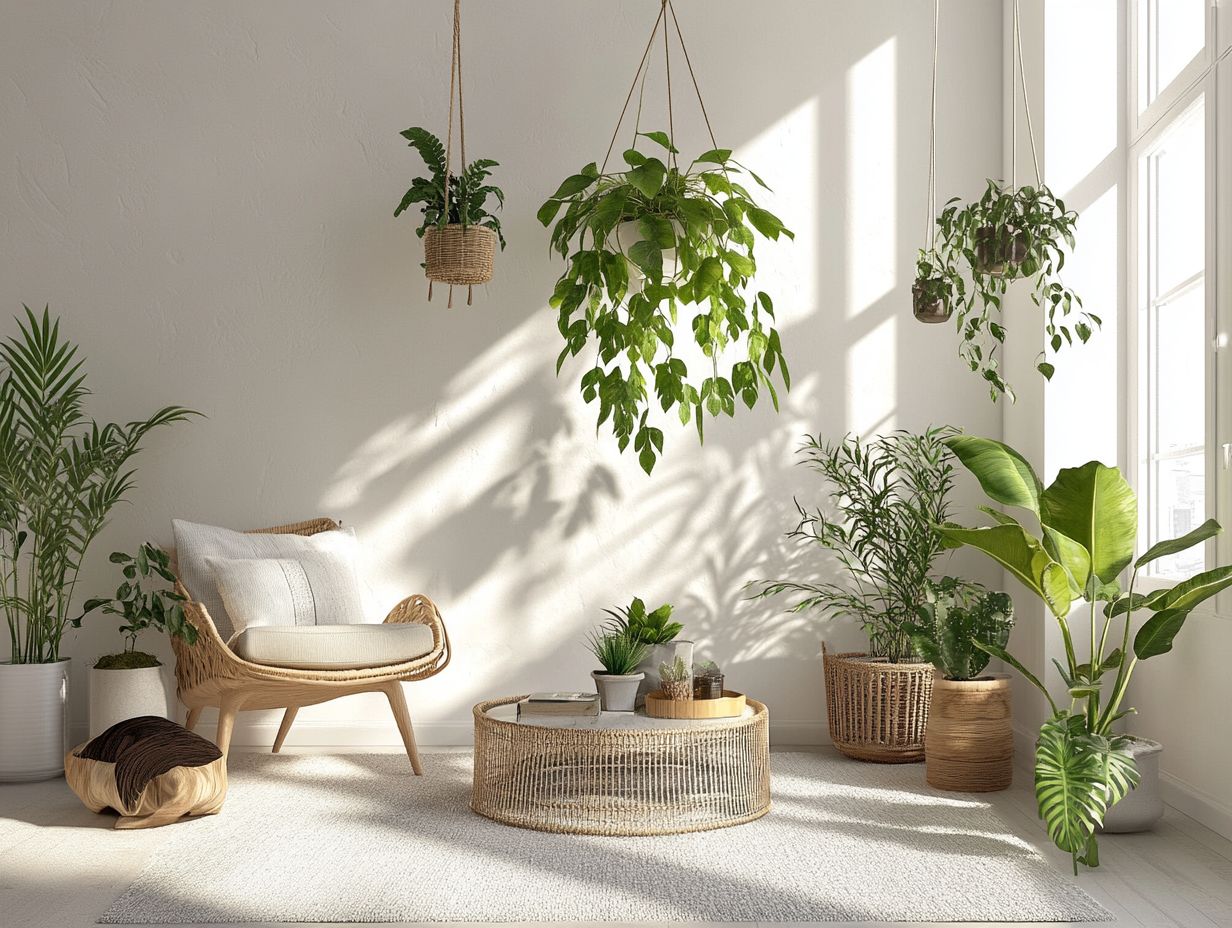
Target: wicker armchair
point(209, 673)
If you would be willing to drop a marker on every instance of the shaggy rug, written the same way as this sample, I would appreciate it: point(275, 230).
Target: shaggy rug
point(355, 838)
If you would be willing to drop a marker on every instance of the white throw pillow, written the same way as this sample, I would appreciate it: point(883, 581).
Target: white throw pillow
point(195, 542)
point(317, 588)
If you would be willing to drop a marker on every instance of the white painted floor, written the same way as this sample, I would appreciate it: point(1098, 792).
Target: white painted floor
point(61, 866)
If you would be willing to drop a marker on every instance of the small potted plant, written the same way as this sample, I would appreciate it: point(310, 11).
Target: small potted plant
point(969, 743)
point(707, 681)
point(937, 287)
point(459, 231)
point(885, 497)
point(655, 628)
point(617, 681)
point(689, 234)
point(676, 680)
point(131, 684)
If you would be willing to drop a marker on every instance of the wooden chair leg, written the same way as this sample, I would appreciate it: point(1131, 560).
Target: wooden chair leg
point(226, 722)
point(397, 702)
point(288, 718)
point(190, 721)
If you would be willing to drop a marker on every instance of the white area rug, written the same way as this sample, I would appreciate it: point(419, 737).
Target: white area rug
point(356, 838)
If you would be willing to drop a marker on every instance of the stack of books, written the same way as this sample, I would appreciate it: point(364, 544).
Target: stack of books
point(555, 705)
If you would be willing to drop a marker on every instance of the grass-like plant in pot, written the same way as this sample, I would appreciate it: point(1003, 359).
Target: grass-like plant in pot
point(689, 235)
point(655, 628)
point(60, 476)
point(1008, 234)
point(618, 654)
point(969, 743)
point(459, 229)
point(1087, 531)
point(885, 496)
point(130, 683)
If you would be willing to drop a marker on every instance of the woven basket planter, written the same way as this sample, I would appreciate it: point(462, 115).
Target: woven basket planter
point(970, 739)
point(877, 711)
point(459, 255)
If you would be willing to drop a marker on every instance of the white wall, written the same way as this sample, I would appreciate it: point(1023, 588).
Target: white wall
point(205, 193)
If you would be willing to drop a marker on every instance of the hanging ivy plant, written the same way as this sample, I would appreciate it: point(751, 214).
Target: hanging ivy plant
point(688, 238)
point(1006, 235)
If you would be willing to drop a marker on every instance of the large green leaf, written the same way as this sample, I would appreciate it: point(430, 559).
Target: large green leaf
point(1189, 593)
point(1003, 473)
point(1208, 529)
point(648, 176)
point(1023, 556)
point(1003, 655)
point(1073, 556)
point(1096, 507)
point(1069, 785)
point(1157, 633)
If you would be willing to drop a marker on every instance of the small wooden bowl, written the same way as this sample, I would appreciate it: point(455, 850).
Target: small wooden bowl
point(729, 705)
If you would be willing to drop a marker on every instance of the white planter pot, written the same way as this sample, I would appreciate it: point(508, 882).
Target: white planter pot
point(663, 654)
point(1143, 807)
point(617, 692)
point(116, 695)
point(627, 233)
point(33, 721)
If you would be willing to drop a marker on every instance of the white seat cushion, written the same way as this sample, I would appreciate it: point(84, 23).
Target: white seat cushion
point(332, 647)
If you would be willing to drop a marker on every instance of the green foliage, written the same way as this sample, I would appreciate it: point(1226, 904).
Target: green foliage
point(160, 609)
point(1088, 523)
point(1006, 235)
point(617, 652)
point(673, 671)
point(652, 627)
point(60, 475)
point(693, 247)
point(954, 615)
point(888, 494)
point(468, 191)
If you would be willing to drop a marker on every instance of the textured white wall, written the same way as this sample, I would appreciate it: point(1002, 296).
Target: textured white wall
point(205, 193)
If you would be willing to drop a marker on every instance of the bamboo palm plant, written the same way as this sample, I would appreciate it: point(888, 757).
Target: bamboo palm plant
point(60, 476)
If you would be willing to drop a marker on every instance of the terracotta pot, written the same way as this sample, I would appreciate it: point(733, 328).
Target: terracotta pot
point(969, 746)
point(929, 310)
point(877, 711)
point(997, 250)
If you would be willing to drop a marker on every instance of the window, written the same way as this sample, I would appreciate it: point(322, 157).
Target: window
point(1171, 33)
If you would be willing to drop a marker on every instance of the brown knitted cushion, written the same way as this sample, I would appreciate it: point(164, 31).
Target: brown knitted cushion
point(150, 770)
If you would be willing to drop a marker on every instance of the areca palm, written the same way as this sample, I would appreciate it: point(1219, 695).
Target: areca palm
point(60, 476)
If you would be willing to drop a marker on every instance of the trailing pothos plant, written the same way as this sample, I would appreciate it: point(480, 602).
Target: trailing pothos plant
point(1008, 234)
point(468, 191)
point(1088, 526)
point(688, 235)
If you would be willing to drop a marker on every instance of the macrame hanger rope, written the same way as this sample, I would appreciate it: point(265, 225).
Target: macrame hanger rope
point(1026, 99)
point(693, 77)
point(632, 86)
point(455, 86)
point(667, 70)
point(930, 230)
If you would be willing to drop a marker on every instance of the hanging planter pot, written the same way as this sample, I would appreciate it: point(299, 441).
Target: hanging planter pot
point(459, 232)
point(999, 250)
point(930, 300)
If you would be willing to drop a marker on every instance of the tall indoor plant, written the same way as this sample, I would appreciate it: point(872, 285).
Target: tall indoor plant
point(1088, 526)
point(885, 495)
point(60, 475)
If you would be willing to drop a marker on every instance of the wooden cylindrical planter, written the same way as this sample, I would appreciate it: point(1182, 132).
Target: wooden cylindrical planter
point(969, 746)
point(877, 711)
point(459, 255)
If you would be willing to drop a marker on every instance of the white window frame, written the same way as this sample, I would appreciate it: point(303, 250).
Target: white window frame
point(1182, 85)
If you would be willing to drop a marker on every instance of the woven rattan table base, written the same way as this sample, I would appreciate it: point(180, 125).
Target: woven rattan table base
point(621, 781)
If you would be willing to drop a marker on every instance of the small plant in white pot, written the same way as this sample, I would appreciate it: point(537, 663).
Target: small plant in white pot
point(60, 475)
point(131, 683)
point(618, 654)
point(655, 628)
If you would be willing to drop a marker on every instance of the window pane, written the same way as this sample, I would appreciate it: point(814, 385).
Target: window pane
point(1180, 348)
point(1179, 201)
point(1170, 33)
point(1179, 505)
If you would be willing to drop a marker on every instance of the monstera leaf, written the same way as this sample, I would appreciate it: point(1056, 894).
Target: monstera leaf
point(1070, 787)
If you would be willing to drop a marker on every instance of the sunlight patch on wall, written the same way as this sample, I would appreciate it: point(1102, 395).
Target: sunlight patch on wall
point(872, 385)
point(872, 152)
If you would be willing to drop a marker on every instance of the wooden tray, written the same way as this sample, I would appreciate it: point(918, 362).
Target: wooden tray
point(729, 705)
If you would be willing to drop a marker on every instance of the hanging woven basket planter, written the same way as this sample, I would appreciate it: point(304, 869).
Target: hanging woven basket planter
point(458, 255)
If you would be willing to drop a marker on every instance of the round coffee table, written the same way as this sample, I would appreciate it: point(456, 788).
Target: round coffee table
point(620, 773)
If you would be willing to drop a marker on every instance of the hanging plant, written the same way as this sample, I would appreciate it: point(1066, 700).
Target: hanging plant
point(1010, 233)
point(459, 230)
point(644, 244)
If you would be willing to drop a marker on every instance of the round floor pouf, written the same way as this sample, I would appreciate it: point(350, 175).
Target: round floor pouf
point(877, 711)
point(150, 770)
point(969, 746)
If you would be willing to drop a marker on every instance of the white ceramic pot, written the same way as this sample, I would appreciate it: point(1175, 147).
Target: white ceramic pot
point(627, 233)
point(1143, 807)
point(116, 695)
point(617, 692)
point(33, 721)
point(663, 654)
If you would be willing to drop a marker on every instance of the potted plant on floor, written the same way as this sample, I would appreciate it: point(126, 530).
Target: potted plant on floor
point(689, 234)
point(618, 654)
point(459, 231)
point(60, 475)
point(969, 744)
point(885, 496)
point(655, 628)
point(1088, 527)
point(131, 684)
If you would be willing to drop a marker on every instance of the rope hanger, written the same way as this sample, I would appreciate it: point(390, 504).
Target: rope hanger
point(455, 81)
point(1021, 75)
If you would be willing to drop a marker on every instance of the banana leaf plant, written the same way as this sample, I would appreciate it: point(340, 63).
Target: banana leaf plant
point(1088, 525)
